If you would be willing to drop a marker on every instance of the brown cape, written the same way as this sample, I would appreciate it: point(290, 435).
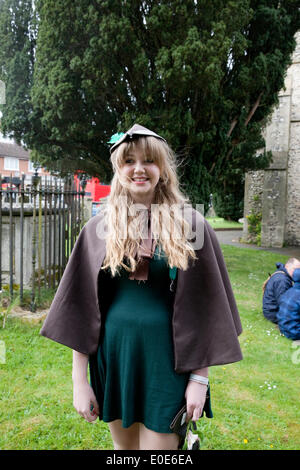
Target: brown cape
point(205, 320)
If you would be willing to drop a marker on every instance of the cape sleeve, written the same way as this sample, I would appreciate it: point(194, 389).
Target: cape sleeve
point(74, 315)
point(206, 322)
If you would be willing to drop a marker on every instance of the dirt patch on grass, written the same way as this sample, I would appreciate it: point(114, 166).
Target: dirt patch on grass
point(28, 316)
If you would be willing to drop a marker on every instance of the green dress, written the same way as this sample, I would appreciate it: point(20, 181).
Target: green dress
point(132, 373)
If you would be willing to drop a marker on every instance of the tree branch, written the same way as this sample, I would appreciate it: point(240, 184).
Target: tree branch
point(233, 124)
point(251, 113)
point(254, 108)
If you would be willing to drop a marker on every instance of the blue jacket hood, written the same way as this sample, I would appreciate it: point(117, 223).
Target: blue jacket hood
point(281, 267)
point(296, 275)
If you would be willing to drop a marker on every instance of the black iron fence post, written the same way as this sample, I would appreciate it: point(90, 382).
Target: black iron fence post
point(35, 180)
point(11, 240)
point(40, 238)
point(46, 231)
point(59, 230)
point(55, 212)
point(21, 238)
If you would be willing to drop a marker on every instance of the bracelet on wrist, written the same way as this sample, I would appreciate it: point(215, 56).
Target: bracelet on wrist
point(199, 378)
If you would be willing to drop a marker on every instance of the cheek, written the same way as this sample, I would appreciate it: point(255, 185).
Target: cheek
point(156, 173)
point(124, 172)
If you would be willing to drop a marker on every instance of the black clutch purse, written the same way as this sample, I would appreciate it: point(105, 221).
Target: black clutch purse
point(181, 427)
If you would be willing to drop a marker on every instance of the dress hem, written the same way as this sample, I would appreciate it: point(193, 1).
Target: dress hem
point(148, 425)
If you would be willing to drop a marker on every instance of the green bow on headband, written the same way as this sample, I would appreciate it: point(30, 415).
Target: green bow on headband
point(114, 138)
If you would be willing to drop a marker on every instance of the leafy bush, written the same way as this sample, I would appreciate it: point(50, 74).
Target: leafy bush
point(254, 225)
point(229, 206)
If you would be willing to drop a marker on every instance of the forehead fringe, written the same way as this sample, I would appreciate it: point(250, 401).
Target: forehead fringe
point(150, 147)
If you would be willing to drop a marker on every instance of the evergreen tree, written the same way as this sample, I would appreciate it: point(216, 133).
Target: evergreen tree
point(18, 25)
point(205, 75)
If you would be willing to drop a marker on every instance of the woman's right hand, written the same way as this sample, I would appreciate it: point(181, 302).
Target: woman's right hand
point(83, 399)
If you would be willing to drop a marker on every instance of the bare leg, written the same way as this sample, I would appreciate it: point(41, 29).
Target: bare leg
point(156, 440)
point(124, 438)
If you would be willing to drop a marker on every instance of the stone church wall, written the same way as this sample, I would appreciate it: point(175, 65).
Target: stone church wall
point(276, 191)
point(292, 230)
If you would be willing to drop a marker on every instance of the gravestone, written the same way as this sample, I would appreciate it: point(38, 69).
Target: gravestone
point(211, 211)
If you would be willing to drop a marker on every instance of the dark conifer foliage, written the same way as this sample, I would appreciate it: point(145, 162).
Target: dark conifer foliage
point(205, 75)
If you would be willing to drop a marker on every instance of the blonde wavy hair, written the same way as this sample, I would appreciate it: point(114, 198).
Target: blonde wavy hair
point(126, 226)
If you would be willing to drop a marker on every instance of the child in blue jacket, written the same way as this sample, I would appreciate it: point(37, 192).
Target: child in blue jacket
point(288, 315)
point(279, 282)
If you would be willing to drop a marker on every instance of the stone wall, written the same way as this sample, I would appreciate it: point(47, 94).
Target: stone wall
point(253, 198)
point(292, 221)
point(279, 186)
point(273, 208)
point(27, 247)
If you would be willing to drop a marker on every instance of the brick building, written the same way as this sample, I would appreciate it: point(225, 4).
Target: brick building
point(15, 160)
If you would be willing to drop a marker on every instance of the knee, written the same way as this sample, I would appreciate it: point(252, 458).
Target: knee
point(126, 443)
point(124, 446)
point(124, 438)
point(152, 440)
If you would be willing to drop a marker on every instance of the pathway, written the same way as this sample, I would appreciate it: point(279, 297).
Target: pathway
point(231, 237)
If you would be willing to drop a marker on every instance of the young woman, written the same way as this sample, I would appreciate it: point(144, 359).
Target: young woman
point(154, 313)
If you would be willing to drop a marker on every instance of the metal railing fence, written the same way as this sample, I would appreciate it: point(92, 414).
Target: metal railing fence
point(39, 225)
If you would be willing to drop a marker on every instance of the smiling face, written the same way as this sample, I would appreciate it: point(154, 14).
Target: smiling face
point(141, 175)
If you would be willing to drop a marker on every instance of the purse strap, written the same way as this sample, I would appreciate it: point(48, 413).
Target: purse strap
point(172, 276)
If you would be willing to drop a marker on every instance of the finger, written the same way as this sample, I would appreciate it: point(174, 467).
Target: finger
point(95, 408)
point(94, 414)
point(196, 414)
point(93, 411)
point(189, 413)
point(88, 417)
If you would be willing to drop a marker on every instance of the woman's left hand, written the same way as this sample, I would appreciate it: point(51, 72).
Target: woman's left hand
point(195, 395)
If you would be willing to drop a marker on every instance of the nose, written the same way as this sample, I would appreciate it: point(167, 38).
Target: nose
point(139, 167)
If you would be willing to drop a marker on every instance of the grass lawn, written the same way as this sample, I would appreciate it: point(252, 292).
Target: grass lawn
point(218, 222)
point(255, 401)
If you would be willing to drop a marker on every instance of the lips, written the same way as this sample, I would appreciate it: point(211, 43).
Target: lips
point(140, 180)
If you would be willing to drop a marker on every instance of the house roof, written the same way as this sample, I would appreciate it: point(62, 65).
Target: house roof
point(13, 150)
